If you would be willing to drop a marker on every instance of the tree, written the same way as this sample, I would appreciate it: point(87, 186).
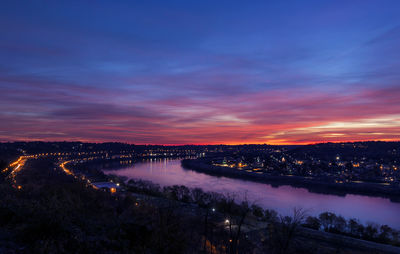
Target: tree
point(385, 232)
point(257, 211)
point(339, 224)
point(244, 209)
point(285, 231)
point(197, 196)
point(236, 215)
point(370, 231)
point(270, 215)
point(312, 222)
point(327, 220)
point(355, 228)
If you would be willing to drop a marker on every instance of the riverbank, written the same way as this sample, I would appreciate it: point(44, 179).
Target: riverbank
point(163, 196)
point(312, 185)
point(316, 241)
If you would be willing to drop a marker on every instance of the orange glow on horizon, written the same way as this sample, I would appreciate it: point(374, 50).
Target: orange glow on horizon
point(230, 143)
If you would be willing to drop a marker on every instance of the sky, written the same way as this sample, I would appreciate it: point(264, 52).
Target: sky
point(200, 72)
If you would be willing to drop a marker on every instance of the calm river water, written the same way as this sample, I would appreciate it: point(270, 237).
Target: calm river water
point(282, 199)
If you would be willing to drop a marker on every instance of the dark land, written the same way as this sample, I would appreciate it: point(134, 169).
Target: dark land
point(50, 202)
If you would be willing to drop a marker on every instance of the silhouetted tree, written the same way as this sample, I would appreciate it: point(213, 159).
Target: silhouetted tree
point(312, 222)
point(284, 231)
point(327, 220)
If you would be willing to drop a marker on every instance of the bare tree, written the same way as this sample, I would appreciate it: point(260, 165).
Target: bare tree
point(284, 232)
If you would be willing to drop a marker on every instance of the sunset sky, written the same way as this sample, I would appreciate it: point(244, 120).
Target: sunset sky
point(200, 72)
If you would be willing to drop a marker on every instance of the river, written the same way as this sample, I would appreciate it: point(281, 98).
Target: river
point(283, 199)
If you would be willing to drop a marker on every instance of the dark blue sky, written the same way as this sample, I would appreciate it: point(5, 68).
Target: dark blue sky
point(175, 72)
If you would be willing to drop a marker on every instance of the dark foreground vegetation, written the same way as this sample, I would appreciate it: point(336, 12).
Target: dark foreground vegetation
point(45, 210)
point(56, 213)
point(327, 221)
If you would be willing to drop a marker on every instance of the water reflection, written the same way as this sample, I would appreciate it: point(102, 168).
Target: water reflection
point(283, 199)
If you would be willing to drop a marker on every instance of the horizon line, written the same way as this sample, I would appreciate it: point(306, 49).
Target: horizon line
point(205, 144)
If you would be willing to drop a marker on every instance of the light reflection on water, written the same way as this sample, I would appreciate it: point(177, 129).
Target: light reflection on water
point(282, 199)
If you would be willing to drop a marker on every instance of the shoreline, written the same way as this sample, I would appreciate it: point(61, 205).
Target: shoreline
point(342, 189)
